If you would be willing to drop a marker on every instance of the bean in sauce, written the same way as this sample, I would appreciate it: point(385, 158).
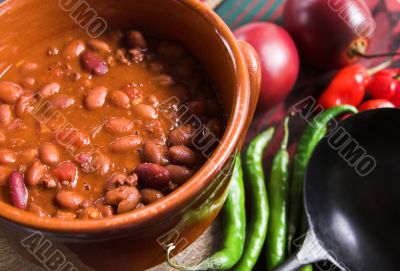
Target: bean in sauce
point(84, 133)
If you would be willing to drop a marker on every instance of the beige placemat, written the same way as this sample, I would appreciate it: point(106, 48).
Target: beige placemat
point(201, 249)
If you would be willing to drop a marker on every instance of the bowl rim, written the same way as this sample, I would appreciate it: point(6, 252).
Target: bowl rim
point(201, 180)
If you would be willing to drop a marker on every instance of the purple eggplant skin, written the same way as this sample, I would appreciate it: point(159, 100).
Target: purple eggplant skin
point(329, 32)
point(18, 190)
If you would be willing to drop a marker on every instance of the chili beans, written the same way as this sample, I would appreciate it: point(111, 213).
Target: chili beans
point(182, 136)
point(179, 174)
point(154, 152)
point(49, 89)
point(125, 197)
point(96, 98)
point(9, 92)
point(35, 173)
point(125, 144)
point(6, 115)
point(119, 99)
point(119, 126)
point(74, 49)
point(91, 128)
point(49, 153)
point(150, 195)
point(182, 155)
point(94, 64)
point(144, 112)
point(7, 156)
point(18, 190)
point(152, 175)
point(69, 200)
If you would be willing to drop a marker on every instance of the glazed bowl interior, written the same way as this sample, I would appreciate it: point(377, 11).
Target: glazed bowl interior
point(26, 23)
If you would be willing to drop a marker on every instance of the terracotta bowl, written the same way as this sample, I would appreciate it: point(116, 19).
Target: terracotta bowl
point(136, 240)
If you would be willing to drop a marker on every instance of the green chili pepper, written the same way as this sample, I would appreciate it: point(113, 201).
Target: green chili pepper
point(234, 216)
point(259, 201)
point(278, 203)
point(312, 135)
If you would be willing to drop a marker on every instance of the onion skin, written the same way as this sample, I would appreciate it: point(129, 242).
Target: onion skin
point(326, 31)
point(280, 61)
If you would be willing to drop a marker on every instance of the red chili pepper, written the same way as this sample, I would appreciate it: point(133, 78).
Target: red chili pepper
point(384, 83)
point(348, 87)
point(376, 103)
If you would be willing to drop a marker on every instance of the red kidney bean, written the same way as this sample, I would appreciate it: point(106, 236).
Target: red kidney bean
point(105, 210)
point(28, 67)
point(170, 51)
point(72, 137)
point(9, 92)
point(99, 45)
point(25, 104)
point(61, 101)
point(126, 197)
point(119, 179)
point(89, 213)
point(93, 63)
point(49, 89)
point(136, 39)
point(119, 98)
point(152, 175)
point(125, 144)
point(163, 80)
point(7, 156)
point(179, 174)
point(65, 215)
point(197, 108)
point(67, 171)
point(37, 210)
point(28, 82)
point(4, 173)
point(182, 136)
point(144, 112)
point(27, 156)
point(119, 126)
point(154, 152)
point(18, 190)
point(70, 200)
point(48, 153)
point(35, 173)
point(74, 49)
point(149, 196)
point(182, 155)
point(6, 115)
point(96, 98)
point(215, 127)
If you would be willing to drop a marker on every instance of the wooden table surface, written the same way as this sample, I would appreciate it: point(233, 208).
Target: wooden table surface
point(201, 249)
